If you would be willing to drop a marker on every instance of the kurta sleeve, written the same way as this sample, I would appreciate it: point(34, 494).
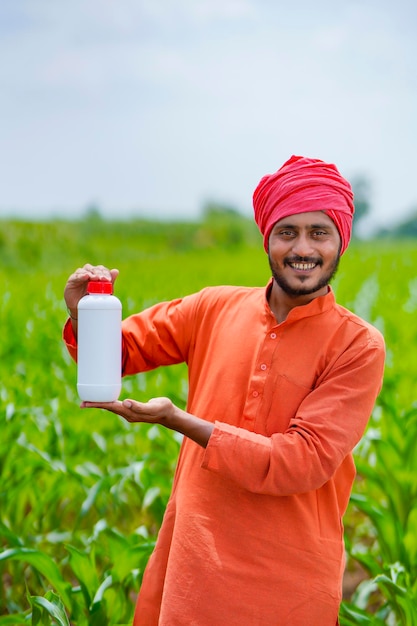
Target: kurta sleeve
point(69, 339)
point(158, 336)
point(328, 424)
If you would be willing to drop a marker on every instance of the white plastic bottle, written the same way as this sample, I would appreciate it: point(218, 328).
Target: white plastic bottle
point(99, 362)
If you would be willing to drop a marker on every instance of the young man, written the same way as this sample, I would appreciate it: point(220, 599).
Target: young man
point(282, 381)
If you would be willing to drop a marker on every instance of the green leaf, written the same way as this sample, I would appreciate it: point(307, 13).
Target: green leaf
point(98, 610)
point(9, 535)
point(126, 555)
point(92, 495)
point(44, 565)
point(368, 561)
point(410, 538)
point(107, 582)
point(84, 568)
point(50, 605)
point(150, 495)
point(13, 620)
point(351, 615)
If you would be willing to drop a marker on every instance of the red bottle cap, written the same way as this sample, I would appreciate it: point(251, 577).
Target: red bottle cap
point(100, 286)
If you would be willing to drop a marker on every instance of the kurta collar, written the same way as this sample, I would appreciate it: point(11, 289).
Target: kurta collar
point(315, 307)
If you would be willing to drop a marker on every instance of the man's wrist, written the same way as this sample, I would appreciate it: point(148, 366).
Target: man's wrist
point(175, 418)
point(191, 426)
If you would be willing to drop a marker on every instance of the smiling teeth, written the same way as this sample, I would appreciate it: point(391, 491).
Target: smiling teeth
point(303, 266)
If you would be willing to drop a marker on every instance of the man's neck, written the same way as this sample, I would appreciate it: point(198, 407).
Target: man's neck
point(281, 303)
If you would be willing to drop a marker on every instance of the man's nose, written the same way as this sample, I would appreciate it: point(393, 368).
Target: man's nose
point(303, 246)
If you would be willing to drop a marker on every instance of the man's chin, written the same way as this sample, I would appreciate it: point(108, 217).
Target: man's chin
point(300, 289)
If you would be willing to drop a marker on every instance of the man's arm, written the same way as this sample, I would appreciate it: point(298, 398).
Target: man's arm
point(327, 426)
point(329, 423)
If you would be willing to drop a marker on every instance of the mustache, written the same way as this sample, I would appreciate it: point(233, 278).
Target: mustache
point(303, 259)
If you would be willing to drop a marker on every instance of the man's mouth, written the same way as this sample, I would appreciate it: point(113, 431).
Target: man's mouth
point(302, 266)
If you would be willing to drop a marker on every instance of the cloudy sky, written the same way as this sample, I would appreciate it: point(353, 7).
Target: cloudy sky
point(154, 107)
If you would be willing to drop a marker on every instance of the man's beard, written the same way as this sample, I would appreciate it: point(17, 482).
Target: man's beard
point(302, 291)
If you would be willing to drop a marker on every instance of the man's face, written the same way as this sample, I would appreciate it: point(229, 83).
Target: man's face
point(304, 252)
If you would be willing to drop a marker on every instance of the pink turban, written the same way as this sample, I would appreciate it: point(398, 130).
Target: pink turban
point(302, 185)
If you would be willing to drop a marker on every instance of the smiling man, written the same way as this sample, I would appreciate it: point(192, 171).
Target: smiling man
point(303, 253)
point(282, 382)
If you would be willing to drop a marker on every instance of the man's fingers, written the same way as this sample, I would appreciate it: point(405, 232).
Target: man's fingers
point(128, 409)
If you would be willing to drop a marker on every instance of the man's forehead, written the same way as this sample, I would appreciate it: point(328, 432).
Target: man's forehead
point(311, 219)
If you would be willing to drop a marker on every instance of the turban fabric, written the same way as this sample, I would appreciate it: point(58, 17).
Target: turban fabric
point(302, 185)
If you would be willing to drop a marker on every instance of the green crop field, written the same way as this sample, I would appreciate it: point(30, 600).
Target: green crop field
point(82, 493)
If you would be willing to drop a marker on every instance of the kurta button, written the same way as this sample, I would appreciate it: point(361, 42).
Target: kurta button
point(263, 366)
point(255, 394)
point(273, 335)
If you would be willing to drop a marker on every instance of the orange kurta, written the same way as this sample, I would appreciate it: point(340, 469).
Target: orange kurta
point(252, 534)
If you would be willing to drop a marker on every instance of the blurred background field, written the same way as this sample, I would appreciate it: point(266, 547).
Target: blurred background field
point(82, 494)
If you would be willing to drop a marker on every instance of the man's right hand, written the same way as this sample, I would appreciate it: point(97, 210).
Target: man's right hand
point(76, 286)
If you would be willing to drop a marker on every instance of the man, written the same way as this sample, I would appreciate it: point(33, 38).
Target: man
point(282, 382)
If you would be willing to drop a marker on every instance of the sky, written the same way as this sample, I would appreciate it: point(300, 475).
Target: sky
point(155, 107)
